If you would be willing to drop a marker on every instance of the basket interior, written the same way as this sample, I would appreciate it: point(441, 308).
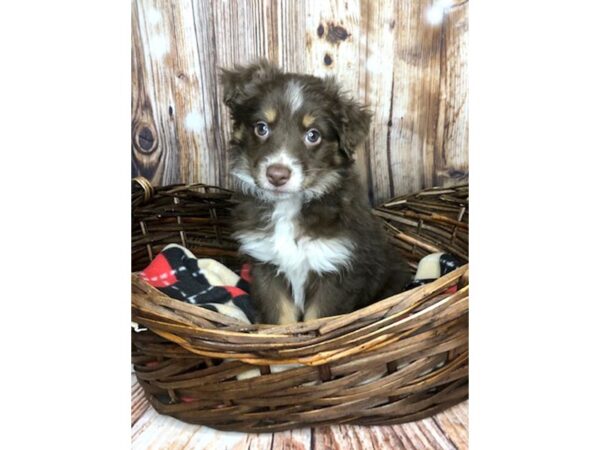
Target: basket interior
point(199, 218)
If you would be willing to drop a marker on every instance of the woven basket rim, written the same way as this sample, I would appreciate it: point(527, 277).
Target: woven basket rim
point(324, 324)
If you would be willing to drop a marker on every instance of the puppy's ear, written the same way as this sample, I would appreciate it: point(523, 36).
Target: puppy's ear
point(352, 120)
point(240, 83)
point(356, 121)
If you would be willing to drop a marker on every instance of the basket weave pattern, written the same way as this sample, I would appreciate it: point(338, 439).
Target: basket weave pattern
point(401, 359)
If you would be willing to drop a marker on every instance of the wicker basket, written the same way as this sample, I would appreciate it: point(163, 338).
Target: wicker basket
point(401, 359)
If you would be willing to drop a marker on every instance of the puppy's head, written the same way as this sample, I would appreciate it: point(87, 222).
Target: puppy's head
point(292, 134)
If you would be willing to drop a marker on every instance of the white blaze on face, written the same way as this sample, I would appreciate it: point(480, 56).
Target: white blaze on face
point(294, 184)
point(293, 95)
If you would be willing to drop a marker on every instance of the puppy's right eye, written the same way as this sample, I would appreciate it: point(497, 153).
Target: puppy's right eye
point(261, 129)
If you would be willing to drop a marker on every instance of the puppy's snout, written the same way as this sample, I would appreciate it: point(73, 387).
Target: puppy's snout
point(278, 174)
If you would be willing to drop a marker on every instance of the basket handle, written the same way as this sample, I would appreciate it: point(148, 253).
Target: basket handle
point(146, 186)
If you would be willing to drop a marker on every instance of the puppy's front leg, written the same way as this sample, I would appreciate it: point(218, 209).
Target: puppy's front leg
point(327, 296)
point(273, 296)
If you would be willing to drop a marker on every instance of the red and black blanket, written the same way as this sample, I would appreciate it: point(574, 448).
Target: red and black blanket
point(204, 282)
point(209, 284)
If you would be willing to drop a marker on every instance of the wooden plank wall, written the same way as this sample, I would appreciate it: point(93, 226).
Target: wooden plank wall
point(406, 59)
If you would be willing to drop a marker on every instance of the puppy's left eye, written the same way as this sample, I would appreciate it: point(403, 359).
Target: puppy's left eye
point(261, 129)
point(312, 137)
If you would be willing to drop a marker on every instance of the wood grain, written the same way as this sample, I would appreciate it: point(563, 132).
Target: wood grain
point(447, 430)
point(408, 68)
point(152, 99)
point(452, 140)
point(139, 405)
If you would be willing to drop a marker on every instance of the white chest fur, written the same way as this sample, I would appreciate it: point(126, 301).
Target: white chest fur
point(295, 255)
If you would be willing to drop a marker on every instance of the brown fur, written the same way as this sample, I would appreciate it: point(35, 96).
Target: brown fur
point(334, 205)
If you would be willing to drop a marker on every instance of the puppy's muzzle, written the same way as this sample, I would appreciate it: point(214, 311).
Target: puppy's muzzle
point(278, 174)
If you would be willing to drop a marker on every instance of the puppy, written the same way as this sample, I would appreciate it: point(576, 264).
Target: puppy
point(302, 217)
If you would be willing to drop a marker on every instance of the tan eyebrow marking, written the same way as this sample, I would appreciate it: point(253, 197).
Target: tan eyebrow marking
point(237, 134)
point(270, 114)
point(307, 120)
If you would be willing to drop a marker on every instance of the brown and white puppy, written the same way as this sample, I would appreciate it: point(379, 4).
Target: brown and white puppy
point(303, 217)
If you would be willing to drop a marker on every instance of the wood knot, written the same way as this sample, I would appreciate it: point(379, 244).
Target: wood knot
point(145, 139)
point(457, 174)
point(336, 33)
point(320, 30)
point(327, 60)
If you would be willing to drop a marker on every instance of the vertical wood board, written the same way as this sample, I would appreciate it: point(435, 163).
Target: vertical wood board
point(405, 59)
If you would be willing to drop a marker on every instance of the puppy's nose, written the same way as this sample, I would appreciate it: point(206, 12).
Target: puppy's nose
point(278, 174)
